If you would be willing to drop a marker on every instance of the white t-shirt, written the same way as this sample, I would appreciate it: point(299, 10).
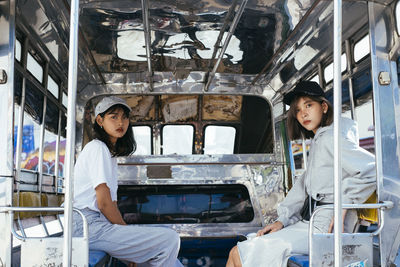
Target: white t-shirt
point(94, 166)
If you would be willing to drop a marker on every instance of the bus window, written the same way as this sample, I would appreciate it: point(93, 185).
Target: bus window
point(65, 100)
point(50, 137)
point(361, 49)
point(219, 139)
point(143, 140)
point(30, 144)
point(328, 71)
point(34, 68)
point(18, 50)
point(177, 139)
point(52, 86)
point(398, 17)
point(315, 78)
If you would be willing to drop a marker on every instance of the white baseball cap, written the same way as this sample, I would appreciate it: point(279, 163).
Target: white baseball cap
point(108, 102)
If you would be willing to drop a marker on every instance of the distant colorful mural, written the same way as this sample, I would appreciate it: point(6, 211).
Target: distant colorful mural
point(30, 155)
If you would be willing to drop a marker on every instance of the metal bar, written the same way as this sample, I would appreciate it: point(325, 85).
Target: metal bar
point(57, 158)
point(11, 211)
point(381, 206)
point(337, 99)
point(7, 92)
point(41, 144)
point(42, 133)
point(147, 39)
point(295, 30)
point(226, 43)
point(220, 35)
point(85, 43)
point(350, 73)
point(69, 149)
point(303, 143)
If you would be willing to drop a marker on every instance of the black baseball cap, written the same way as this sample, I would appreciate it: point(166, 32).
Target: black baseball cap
point(304, 88)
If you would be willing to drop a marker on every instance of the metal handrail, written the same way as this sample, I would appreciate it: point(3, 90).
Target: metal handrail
point(380, 206)
point(11, 211)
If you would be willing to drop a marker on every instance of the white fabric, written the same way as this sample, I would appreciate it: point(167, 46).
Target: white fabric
point(94, 166)
point(274, 250)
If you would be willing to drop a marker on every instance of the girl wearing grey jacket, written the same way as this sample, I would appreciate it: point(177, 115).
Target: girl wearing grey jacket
point(311, 116)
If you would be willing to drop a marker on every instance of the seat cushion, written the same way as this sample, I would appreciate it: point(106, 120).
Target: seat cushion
point(298, 261)
point(97, 258)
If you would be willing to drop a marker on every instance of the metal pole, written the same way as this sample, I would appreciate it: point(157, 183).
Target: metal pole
point(41, 144)
point(303, 143)
point(225, 46)
point(57, 158)
point(146, 29)
point(350, 72)
point(69, 149)
point(337, 96)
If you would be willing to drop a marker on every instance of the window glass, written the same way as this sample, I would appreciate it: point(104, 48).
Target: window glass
point(143, 140)
point(34, 68)
point(219, 139)
point(30, 142)
point(18, 50)
point(61, 156)
point(365, 120)
point(177, 139)
point(52, 86)
point(315, 78)
point(328, 71)
point(65, 100)
point(49, 155)
point(361, 48)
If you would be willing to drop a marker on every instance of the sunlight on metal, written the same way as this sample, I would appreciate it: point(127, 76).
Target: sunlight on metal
point(337, 103)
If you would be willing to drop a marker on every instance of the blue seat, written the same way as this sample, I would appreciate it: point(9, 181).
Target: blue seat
point(298, 261)
point(97, 258)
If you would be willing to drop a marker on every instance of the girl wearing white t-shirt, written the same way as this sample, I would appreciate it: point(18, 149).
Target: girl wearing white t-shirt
point(95, 194)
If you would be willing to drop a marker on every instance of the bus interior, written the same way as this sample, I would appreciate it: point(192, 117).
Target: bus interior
point(205, 81)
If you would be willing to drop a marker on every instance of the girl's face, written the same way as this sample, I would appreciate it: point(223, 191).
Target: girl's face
point(114, 123)
point(309, 113)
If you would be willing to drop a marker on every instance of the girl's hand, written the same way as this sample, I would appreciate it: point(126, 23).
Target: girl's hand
point(344, 211)
point(270, 228)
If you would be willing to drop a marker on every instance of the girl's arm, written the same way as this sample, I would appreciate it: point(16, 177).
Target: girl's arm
point(107, 206)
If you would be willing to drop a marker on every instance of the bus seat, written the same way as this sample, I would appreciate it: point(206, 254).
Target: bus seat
point(369, 215)
point(298, 261)
point(97, 258)
point(28, 199)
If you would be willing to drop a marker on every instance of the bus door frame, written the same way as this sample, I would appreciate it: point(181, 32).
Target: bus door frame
point(7, 44)
point(387, 136)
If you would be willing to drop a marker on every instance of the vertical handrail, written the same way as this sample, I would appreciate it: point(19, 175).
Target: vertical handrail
point(304, 146)
point(337, 97)
point(20, 128)
point(57, 158)
point(350, 72)
point(69, 149)
point(41, 146)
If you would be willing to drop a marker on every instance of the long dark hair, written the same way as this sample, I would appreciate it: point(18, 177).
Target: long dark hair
point(125, 145)
point(295, 130)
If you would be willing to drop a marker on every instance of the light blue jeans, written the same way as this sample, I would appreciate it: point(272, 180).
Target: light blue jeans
point(146, 246)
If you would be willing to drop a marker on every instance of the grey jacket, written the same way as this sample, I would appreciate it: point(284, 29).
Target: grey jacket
point(358, 173)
